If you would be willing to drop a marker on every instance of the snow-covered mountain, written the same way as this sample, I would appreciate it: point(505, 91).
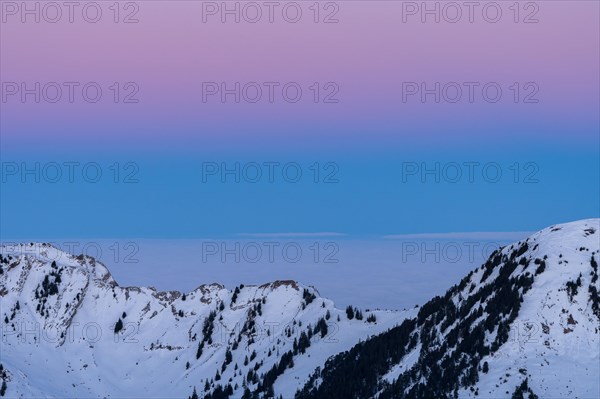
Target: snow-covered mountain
point(527, 322)
point(59, 314)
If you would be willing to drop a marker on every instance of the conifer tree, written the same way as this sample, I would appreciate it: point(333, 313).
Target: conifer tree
point(350, 312)
point(118, 326)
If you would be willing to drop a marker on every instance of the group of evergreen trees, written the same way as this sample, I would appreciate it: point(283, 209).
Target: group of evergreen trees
point(353, 313)
point(573, 287)
point(264, 382)
point(49, 284)
point(452, 336)
point(218, 393)
point(355, 373)
point(307, 297)
point(48, 288)
point(4, 261)
point(207, 330)
point(236, 292)
point(524, 392)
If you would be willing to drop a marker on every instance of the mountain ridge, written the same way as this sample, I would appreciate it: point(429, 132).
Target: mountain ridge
point(531, 303)
point(47, 298)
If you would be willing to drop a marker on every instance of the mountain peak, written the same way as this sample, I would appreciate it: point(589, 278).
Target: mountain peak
point(511, 326)
point(44, 253)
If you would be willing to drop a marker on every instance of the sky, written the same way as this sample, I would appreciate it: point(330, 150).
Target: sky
point(362, 119)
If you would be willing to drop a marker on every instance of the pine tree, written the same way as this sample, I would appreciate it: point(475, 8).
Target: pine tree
point(235, 294)
point(270, 392)
point(303, 342)
point(199, 351)
point(358, 314)
point(194, 394)
point(350, 312)
point(321, 327)
point(118, 326)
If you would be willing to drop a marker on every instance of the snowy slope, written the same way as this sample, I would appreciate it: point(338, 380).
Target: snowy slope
point(526, 322)
point(555, 339)
point(58, 314)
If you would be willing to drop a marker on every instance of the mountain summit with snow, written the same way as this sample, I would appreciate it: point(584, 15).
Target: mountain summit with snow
point(69, 330)
point(524, 324)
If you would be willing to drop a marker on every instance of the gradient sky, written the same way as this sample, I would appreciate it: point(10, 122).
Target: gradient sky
point(369, 135)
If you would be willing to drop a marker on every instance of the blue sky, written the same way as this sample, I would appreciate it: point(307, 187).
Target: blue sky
point(358, 195)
